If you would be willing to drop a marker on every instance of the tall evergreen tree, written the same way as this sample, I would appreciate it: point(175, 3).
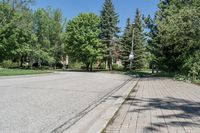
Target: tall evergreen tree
point(139, 42)
point(174, 32)
point(109, 29)
point(126, 43)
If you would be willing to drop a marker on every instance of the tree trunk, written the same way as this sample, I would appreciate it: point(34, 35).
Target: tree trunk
point(152, 68)
point(157, 70)
point(21, 61)
point(110, 64)
point(39, 63)
point(106, 63)
point(91, 67)
point(30, 62)
point(87, 66)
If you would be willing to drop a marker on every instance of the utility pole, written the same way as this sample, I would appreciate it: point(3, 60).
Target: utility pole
point(110, 53)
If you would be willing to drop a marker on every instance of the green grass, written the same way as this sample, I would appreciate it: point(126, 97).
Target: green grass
point(196, 82)
point(14, 72)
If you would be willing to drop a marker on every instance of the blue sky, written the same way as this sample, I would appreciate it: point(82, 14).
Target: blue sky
point(125, 8)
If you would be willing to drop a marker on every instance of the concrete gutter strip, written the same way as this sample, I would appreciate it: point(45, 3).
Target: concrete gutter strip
point(97, 119)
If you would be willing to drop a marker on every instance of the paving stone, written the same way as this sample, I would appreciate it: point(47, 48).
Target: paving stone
point(160, 105)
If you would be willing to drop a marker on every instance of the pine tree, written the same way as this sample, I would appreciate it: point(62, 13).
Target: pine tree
point(139, 42)
point(109, 29)
point(126, 44)
point(174, 35)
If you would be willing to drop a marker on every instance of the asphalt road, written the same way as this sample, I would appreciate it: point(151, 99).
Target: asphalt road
point(39, 104)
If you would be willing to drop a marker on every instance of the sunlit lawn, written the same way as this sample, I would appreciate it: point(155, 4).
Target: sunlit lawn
point(13, 72)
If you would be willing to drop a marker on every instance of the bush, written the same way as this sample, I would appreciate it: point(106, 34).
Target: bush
point(102, 66)
point(75, 65)
point(116, 67)
point(192, 66)
point(83, 67)
point(59, 65)
point(9, 64)
point(46, 68)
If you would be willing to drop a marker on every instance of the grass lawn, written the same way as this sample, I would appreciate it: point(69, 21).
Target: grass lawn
point(197, 82)
point(14, 72)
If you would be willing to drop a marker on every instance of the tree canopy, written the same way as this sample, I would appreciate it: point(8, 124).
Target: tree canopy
point(174, 36)
point(44, 38)
point(82, 38)
point(109, 29)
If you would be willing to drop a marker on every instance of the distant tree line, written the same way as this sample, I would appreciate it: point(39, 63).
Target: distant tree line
point(31, 37)
point(44, 38)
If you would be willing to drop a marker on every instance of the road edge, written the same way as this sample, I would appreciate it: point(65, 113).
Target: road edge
point(99, 119)
point(113, 117)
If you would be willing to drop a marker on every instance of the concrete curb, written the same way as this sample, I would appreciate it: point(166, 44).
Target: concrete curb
point(98, 118)
point(110, 121)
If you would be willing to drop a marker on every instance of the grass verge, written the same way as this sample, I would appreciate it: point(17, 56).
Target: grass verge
point(14, 72)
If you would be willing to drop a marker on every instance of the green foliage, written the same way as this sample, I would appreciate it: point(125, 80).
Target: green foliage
point(13, 72)
point(15, 33)
point(126, 43)
point(139, 42)
point(82, 38)
point(109, 21)
point(9, 64)
point(75, 65)
point(109, 29)
point(174, 35)
point(18, 4)
point(114, 66)
point(192, 65)
point(30, 37)
point(41, 36)
point(179, 35)
point(102, 66)
point(117, 67)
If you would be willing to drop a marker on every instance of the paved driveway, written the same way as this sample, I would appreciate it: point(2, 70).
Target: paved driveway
point(159, 105)
point(33, 104)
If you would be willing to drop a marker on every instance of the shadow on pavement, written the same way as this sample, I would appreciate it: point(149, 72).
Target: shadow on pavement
point(181, 112)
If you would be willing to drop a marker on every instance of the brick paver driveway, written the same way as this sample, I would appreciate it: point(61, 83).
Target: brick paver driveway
point(159, 105)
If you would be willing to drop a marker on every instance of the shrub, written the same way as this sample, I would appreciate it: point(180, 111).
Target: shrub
point(9, 64)
point(75, 65)
point(116, 67)
point(102, 66)
point(83, 67)
point(45, 68)
point(192, 66)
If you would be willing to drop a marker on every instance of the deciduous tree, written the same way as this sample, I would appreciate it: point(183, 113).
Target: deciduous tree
point(82, 39)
